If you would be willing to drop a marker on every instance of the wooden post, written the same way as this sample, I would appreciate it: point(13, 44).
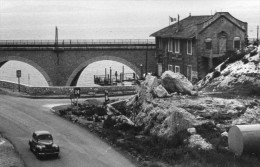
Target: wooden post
point(19, 84)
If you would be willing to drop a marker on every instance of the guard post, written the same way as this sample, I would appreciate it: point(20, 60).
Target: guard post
point(18, 75)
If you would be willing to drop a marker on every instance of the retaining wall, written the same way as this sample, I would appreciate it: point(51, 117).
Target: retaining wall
point(41, 91)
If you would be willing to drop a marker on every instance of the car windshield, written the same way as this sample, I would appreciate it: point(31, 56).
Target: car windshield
point(45, 137)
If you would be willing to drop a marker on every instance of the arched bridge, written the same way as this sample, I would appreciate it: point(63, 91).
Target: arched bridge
point(61, 62)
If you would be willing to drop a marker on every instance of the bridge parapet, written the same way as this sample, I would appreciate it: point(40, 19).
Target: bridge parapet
point(91, 44)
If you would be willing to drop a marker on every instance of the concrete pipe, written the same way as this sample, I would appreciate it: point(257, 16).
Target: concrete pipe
point(244, 138)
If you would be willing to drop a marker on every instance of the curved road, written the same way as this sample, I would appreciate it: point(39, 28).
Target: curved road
point(19, 117)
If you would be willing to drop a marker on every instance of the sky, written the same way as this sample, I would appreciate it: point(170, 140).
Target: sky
point(110, 19)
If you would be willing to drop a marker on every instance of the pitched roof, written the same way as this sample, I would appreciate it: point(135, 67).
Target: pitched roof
point(187, 28)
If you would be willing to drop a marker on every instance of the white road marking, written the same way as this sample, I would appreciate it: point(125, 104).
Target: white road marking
point(53, 105)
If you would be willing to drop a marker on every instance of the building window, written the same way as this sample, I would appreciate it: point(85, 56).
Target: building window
point(170, 68)
point(208, 44)
point(170, 45)
point(189, 47)
point(237, 43)
point(177, 69)
point(177, 46)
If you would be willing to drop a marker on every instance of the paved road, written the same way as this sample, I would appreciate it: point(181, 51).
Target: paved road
point(19, 117)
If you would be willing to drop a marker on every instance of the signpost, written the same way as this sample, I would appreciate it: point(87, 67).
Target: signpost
point(18, 75)
point(77, 95)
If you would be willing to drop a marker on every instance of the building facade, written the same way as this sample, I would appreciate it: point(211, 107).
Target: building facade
point(196, 44)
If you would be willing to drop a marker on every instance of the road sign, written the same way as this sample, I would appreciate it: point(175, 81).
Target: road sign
point(77, 92)
point(18, 73)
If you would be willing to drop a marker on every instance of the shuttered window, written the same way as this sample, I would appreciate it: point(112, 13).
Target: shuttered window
point(170, 46)
point(177, 46)
point(189, 47)
point(170, 68)
point(237, 43)
point(177, 69)
point(208, 44)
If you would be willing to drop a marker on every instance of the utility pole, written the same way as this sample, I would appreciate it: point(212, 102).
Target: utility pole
point(56, 36)
point(146, 57)
point(257, 39)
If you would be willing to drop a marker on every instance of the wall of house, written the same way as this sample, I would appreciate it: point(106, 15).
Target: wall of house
point(221, 24)
point(181, 59)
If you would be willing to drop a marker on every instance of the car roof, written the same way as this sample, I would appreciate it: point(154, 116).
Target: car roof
point(42, 132)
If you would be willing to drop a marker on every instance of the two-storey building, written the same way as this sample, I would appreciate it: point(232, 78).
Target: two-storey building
point(195, 45)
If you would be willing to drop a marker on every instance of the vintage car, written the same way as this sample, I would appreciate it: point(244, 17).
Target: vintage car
point(42, 144)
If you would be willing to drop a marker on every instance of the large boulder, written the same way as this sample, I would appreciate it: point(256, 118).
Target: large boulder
point(146, 88)
point(178, 120)
point(176, 82)
point(165, 119)
point(160, 91)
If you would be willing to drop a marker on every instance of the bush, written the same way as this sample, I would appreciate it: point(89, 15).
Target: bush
point(109, 122)
point(89, 112)
point(63, 112)
point(100, 111)
point(216, 74)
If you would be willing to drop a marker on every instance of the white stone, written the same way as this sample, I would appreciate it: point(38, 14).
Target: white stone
point(191, 130)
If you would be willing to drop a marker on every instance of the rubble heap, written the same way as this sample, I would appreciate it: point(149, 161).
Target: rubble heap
point(239, 74)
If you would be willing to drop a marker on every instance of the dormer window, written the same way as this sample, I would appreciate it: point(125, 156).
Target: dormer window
point(237, 43)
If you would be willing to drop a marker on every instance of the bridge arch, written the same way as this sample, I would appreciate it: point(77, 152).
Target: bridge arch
point(30, 62)
point(76, 73)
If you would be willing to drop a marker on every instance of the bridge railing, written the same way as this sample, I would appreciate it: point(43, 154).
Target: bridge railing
point(76, 42)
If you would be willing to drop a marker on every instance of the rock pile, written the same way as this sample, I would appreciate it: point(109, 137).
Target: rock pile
point(239, 74)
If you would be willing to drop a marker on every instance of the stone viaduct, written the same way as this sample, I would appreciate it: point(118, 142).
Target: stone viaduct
point(61, 63)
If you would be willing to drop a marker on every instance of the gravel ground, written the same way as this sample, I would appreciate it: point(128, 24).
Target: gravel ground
point(8, 156)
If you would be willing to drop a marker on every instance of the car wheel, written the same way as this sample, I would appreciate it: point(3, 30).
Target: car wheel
point(38, 156)
point(56, 155)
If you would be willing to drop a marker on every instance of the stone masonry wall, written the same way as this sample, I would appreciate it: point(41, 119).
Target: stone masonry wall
point(41, 91)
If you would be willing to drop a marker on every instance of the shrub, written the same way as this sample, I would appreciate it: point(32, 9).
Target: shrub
point(89, 112)
point(216, 74)
point(63, 112)
point(109, 122)
point(100, 111)
point(245, 61)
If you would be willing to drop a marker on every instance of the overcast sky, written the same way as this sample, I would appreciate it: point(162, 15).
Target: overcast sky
point(100, 19)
